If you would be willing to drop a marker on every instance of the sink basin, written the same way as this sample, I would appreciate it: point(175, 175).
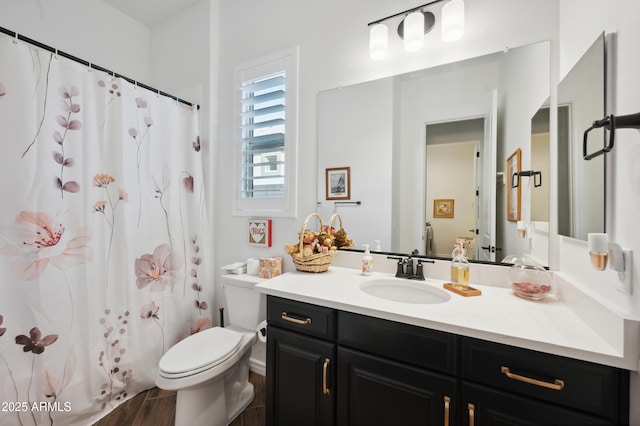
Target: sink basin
point(405, 291)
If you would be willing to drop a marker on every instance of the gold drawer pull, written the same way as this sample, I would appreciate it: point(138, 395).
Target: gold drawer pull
point(305, 321)
point(325, 367)
point(447, 403)
point(472, 413)
point(556, 385)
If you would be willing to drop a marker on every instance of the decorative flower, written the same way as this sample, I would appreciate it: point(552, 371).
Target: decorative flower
point(187, 182)
point(150, 310)
point(3, 91)
point(141, 103)
point(148, 121)
point(123, 195)
point(196, 144)
point(36, 343)
point(102, 180)
point(159, 269)
point(2, 329)
point(99, 206)
point(39, 241)
point(200, 325)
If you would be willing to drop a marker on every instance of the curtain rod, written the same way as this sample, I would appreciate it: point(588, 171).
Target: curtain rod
point(93, 66)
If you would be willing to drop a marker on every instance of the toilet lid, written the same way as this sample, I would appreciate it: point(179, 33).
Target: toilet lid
point(200, 350)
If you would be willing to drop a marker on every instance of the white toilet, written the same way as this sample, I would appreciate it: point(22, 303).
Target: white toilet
point(210, 369)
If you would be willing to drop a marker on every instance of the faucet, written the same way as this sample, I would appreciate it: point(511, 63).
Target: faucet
point(405, 267)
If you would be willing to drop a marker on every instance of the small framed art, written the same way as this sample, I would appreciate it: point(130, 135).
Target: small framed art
point(443, 208)
point(260, 232)
point(338, 183)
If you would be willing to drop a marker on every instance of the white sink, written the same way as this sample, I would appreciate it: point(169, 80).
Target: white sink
point(405, 291)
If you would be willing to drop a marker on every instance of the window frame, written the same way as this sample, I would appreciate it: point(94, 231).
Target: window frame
point(285, 206)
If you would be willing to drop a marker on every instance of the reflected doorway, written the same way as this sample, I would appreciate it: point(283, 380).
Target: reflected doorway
point(453, 172)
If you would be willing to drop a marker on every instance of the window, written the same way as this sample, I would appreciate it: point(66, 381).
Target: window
point(265, 161)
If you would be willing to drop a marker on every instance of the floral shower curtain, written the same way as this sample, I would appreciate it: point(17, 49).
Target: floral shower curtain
point(103, 231)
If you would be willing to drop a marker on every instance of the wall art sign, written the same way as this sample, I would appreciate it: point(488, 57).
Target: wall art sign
point(260, 232)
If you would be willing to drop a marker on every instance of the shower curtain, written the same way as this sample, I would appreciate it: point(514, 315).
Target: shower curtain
point(103, 231)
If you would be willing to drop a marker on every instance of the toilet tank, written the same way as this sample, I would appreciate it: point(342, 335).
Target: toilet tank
point(246, 307)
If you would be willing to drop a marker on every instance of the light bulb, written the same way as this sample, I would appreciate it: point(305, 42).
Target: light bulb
point(378, 41)
point(414, 31)
point(453, 20)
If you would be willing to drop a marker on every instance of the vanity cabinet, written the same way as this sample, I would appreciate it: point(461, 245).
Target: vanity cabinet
point(326, 366)
point(301, 356)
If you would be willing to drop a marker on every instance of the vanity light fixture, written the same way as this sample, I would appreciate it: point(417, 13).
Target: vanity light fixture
point(415, 24)
point(603, 251)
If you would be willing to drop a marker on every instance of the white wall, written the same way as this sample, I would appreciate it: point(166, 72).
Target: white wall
point(88, 29)
point(365, 146)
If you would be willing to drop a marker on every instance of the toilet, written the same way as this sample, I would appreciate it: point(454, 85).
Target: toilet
point(210, 369)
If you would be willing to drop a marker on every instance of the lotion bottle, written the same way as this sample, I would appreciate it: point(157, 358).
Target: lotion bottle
point(367, 261)
point(460, 268)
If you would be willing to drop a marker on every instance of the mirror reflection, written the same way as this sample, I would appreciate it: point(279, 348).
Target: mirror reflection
point(581, 100)
point(427, 154)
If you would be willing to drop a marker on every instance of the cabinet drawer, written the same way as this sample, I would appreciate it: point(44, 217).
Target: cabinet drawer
point(581, 385)
point(301, 317)
point(487, 406)
point(414, 345)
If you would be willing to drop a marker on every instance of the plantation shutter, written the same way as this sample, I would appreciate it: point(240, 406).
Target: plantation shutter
point(263, 137)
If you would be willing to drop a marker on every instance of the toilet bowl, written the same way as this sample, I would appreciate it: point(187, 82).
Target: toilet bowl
point(210, 369)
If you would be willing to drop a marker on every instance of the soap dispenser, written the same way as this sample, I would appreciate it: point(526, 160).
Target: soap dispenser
point(367, 261)
point(460, 268)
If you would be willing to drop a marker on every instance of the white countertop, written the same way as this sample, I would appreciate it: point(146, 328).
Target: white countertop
point(497, 315)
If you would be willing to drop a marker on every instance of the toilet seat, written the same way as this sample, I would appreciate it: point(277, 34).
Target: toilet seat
point(199, 352)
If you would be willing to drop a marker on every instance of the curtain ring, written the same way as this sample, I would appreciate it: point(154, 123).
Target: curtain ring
point(15, 39)
point(89, 66)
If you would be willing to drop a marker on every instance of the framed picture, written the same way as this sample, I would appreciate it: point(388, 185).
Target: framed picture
point(260, 232)
point(513, 194)
point(443, 208)
point(338, 183)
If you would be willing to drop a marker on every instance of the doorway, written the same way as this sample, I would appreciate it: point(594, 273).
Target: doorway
point(453, 164)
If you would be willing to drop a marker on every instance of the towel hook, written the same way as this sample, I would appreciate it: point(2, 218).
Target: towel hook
point(611, 123)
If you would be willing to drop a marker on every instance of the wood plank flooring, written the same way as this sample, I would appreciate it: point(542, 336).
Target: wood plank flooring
point(156, 407)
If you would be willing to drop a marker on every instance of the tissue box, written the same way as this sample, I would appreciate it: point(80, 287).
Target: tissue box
point(270, 267)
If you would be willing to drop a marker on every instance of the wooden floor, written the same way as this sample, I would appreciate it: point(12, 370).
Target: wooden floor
point(157, 407)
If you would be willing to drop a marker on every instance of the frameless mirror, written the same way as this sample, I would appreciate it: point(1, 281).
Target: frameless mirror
point(581, 183)
point(425, 154)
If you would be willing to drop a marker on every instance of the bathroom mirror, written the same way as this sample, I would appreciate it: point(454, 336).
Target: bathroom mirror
point(427, 153)
point(581, 183)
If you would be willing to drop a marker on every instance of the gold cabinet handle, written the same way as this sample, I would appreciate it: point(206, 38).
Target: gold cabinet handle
point(325, 367)
point(305, 321)
point(556, 385)
point(447, 403)
point(472, 413)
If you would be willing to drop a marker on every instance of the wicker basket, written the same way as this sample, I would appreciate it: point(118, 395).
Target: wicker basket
point(317, 262)
point(346, 244)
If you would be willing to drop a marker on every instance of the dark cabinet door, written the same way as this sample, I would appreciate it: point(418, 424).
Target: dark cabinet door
point(300, 380)
point(376, 391)
point(486, 406)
